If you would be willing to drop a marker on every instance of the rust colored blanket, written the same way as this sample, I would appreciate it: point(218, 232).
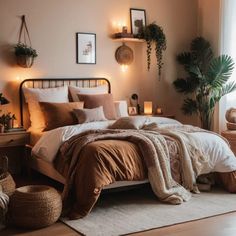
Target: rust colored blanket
point(90, 164)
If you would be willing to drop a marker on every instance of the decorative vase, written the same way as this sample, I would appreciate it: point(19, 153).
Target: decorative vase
point(25, 61)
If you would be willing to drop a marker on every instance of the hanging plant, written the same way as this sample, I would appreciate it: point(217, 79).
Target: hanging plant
point(153, 34)
point(24, 54)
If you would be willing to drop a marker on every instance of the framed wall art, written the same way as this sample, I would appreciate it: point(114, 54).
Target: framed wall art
point(85, 48)
point(138, 20)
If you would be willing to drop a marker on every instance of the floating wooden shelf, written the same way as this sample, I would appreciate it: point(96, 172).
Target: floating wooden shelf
point(134, 40)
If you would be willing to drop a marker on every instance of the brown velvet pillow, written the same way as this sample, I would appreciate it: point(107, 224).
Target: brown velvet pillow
point(105, 100)
point(59, 114)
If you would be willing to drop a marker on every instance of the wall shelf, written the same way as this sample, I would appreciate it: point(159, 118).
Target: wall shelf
point(134, 40)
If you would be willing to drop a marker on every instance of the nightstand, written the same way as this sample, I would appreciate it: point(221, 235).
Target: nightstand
point(230, 135)
point(159, 115)
point(13, 145)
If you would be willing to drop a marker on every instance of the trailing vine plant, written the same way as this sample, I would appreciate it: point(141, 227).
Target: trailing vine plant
point(153, 34)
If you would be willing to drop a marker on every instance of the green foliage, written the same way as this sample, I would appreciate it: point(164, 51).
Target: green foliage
point(153, 34)
point(23, 49)
point(206, 80)
point(5, 118)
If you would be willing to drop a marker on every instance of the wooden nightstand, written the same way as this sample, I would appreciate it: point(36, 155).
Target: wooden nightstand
point(159, 115)
point(12, 145)
point(230, 135)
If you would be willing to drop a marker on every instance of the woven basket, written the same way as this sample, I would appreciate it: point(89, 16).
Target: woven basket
point(7, 183)
point(231, 126)
point(35, 206)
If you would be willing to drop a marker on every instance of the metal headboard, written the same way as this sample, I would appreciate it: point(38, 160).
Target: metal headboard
point(44, 83)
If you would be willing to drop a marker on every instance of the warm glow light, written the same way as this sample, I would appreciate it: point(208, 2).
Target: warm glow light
point(118, 25)
point(124, 68)
point(148, 108)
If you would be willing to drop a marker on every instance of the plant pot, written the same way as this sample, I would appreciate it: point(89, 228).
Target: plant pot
point(25, 61)
point(10, 124)
point(2, 128)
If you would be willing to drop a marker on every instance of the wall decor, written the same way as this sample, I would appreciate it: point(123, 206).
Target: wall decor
point(132, 111)
point(138, 21)
point(124, 55)
point(24, 53)
point(85, 48)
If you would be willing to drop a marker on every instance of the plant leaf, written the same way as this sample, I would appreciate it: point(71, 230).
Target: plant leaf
point(220, 70)
point(189, 106)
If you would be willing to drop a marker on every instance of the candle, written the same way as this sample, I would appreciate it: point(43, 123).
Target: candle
point(148, 108)
point(159, 110)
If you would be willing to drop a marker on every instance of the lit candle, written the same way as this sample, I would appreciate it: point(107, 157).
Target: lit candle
point(159, 110)
point(148, 108)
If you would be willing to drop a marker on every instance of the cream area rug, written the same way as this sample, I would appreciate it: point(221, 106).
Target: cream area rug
point(127, 212)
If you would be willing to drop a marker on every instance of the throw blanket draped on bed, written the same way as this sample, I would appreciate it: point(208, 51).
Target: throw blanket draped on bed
point(154, 150)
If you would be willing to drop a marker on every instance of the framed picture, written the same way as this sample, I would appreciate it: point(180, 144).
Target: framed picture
point(132, 111)
point(138, 20)
point(85, 48)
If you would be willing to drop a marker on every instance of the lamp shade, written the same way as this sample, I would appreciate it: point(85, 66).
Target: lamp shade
point(148, 108)
point(3, 100)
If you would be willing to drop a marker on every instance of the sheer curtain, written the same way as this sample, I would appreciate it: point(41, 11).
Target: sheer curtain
point(228, 46)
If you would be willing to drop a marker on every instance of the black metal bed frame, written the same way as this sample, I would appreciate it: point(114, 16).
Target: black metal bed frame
point(44, 83)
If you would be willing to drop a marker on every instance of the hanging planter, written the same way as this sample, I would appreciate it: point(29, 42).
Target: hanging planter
point(24, 54)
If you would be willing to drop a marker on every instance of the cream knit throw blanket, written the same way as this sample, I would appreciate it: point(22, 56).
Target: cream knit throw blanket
point(156, 156)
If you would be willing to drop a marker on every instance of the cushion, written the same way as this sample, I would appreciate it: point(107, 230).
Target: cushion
point(105, 100)
point(121, 108)
point(90, 115)
point(35, 95)
point(131, 122)
point(74, 91)
point(59, 114)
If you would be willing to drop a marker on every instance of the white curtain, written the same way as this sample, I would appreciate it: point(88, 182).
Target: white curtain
point(228, 46)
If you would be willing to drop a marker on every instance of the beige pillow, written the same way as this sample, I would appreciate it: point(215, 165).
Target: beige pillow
point(59, 114)
point(35, 95)
point(130, 122)
point(89, 115)
point(104, 100)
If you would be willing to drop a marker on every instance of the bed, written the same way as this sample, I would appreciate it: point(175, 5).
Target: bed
point(162, 131)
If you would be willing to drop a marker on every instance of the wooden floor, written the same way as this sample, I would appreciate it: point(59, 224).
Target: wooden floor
point(223, 225)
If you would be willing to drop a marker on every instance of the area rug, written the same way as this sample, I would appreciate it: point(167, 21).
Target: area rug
point(139, 210)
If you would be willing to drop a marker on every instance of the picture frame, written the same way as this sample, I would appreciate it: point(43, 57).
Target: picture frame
point(137, 20)
point(85, 48)
point(132, 111)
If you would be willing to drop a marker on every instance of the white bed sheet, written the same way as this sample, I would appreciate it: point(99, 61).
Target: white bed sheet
point(221, 158)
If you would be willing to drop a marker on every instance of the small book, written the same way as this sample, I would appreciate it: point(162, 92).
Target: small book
point(17, 129)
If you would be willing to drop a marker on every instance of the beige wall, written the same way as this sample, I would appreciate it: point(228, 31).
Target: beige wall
point(53, 25)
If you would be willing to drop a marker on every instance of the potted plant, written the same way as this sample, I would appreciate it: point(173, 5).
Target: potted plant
point(206, 80)
point(153, 34)
point(25, 55)
point(7, 120)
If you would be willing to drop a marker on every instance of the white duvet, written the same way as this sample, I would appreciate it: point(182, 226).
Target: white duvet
point(221, 158)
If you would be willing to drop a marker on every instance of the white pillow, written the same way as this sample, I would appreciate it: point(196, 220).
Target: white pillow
point(79, 90)
point(35, 95)
point(121, 108)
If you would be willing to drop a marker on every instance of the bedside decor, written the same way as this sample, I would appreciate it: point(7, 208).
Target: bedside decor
point(132, 111)
point(7, 120)
point(138, 20)
point(35, 206)
point(134, 102)
point(24, 54)
point(85, 48)
point(206, 82)
point(148, 108)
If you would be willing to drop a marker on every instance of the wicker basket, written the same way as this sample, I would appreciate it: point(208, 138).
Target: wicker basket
point(35, 206)
point(7, 183)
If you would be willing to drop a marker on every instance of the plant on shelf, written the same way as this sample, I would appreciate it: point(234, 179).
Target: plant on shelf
point(153, 34)
point(7, 120)
point(206, 80)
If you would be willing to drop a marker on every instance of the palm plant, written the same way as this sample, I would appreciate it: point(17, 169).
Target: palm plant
point(206, 80)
